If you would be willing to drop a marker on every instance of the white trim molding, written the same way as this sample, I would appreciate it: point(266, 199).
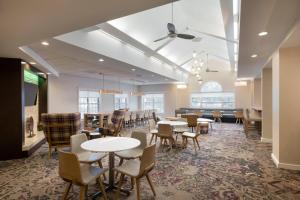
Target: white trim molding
point(284, 165)
point(266, 140)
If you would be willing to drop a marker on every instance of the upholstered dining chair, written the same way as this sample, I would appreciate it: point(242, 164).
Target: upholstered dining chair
point(193, 136)
point(217, 115)
point(58, 129)
point(165, 132)
point(74, 172)
point(83, 155)
point(136, 169)
point(192, 121)
point(152, 130)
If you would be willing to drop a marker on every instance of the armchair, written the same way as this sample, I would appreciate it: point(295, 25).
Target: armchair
point(58, 128)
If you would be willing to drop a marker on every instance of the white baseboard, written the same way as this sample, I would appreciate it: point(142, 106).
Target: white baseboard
point(284, 165)
point(266, 140)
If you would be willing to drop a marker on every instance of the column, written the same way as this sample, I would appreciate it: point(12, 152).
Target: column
point(286, 108)
point(266, 96)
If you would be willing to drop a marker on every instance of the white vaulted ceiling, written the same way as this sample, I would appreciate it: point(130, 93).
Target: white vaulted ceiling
point(190, 16)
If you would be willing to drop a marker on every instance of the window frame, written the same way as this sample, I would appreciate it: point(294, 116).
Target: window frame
point(152, 96)
point(210, 95)
point(89, 109)
point(117, 98)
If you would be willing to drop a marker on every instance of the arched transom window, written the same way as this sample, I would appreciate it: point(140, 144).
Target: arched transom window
point(211, 86)
point(211, 95)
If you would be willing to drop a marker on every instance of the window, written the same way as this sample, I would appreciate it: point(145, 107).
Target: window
point(121, 101)
point(212, 96)
point(89, 102)
point(153, 102)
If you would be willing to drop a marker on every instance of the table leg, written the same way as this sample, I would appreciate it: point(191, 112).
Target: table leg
point(111, 180)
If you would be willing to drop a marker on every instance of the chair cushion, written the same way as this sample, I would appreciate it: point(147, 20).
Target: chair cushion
point(90, 173)
point(153, 131)
point(180, 130)
point(130, 168)
point(90, 157)
point(189, 134)
point(130, 154)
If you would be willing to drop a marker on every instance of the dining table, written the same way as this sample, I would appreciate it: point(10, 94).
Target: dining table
point(111, 145)
point(173, 123)
point(210, 121)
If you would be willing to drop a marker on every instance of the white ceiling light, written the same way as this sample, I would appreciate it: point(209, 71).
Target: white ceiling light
point(194, 54)
point(240, 83)
point(45, 43)
point(253, 55)
point(23, 62)
point(181, 86)
point(264, 33)
point(101, 60)
point(133, 69)
point(32, 63)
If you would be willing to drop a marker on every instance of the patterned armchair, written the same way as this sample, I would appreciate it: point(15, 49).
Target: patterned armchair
point(114, 128)
point(58, 128)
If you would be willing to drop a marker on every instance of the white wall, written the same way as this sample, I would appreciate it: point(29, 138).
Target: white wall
point(178, 98)
point(63, 93)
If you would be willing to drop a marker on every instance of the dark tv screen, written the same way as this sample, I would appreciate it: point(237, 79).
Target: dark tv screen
point(31, 91)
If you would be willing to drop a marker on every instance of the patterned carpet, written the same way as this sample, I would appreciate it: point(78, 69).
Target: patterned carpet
point(228, 166)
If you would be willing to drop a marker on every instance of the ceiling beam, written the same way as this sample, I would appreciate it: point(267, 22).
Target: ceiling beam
point(164, 44)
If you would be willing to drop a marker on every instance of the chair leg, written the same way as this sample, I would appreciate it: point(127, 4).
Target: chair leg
point(82, 192)
point(150, 183)
point(137, 182)
point(49, 152)
point(155, 138)
point(132, 183)
point(102, 189)
point(151, 139)
point(120, 163)
point(101, 166)
point(120, 185)
point(67, 190)
point(236, 121)
point(195, 145)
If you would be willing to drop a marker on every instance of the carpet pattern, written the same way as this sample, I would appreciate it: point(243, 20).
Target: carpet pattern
point(229, 165)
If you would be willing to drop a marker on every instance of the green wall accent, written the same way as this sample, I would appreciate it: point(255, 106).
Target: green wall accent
point(30, 77)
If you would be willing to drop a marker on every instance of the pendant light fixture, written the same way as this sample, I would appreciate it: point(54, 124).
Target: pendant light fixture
point(106, 91)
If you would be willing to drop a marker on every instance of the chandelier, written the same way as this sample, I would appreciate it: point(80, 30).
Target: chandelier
point(197, 65)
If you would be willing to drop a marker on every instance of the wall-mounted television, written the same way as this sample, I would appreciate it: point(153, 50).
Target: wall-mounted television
point(30, 92)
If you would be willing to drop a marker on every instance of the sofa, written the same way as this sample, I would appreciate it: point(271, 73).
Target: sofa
point(227, 114)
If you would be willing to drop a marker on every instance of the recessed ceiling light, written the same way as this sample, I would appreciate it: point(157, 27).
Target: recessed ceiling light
point(254, 56)
point(133, 69)
point(32, 63)
point(48, 73)
point(101, 60)
point(40, 73)
point(23, 62)
point(45, 43)
point(264, 33)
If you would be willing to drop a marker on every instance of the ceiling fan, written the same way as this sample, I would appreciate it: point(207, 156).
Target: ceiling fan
point(207, 68)
point(172, 32)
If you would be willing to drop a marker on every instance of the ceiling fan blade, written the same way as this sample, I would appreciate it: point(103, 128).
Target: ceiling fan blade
point(171, 27)
point(163, 38)
point(214, 36)
point(186, 36)
point(197, 39)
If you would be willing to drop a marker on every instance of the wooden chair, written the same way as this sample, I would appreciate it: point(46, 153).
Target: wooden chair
point(58, 129)
point(193, 136)
point(165, 133)
point(248, 124)
point(83, 155)
point(180, 129)
point(204, 127)
point(71, 171)
point(133, 153)
point(115, 127)
point(239, 115)
point(192, 121)
point(136, 169)
point(152, 130)
point(217, 115)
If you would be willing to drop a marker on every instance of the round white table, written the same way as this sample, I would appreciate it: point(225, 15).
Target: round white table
point(210, 121)
point(110, 145)
point(173, 123)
